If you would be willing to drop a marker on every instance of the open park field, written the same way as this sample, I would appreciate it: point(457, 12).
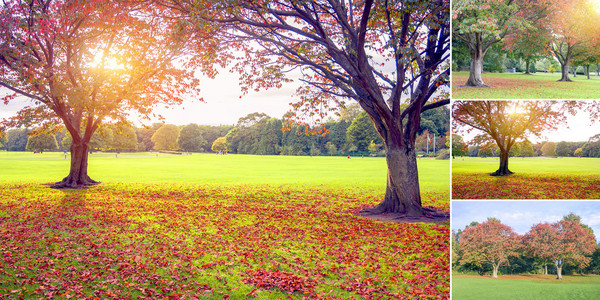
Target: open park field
point(542, 287)
point(534, 178)
point(519, 86)
point(215, 227)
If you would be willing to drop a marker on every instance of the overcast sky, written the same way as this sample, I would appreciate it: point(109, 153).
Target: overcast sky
point(521, 214)
point(578, 128)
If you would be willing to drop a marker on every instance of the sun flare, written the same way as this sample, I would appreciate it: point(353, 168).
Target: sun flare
point(100, 61)
point(516, 108)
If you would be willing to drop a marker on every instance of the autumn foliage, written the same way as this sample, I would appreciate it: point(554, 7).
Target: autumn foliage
point(84, 63)
point(565, 242)
point(561, 243)
point(213, 241)
point(490, 242)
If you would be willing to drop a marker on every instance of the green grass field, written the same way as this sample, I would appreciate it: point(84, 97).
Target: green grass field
point(368, 172)
point(519, 86)
point(216, 227)
point(534, 178)
point(534, 287)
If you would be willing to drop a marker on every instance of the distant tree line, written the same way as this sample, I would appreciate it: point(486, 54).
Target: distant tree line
point(591, 148)
point(255, 133)
point(353, 132)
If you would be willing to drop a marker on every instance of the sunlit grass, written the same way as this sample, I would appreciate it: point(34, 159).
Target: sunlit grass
point(236, 226)
point(526, 287)
point(519, 86)
point(533, 178)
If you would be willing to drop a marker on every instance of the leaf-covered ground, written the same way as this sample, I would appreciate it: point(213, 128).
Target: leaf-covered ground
point(519, 86)
point(214, 242)
point(525, 186)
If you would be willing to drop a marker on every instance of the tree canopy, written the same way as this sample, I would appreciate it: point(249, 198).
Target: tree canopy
point(83, 63)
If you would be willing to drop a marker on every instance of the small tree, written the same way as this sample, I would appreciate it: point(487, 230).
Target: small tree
point(490, 242)
point(578, 152)
point(41, 142)
point(562, 149)
point(331, 148)
point(190, 139)
point(459, 148)
point(485, 152)
point(549, 149)
point(124, 138)
point(220, 144)
point(527, 149)
point(165, 138)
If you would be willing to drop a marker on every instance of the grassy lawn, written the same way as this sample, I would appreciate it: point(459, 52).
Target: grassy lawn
point(534, 178)
point(215, 227)
point(542, 287)
point(519, 86)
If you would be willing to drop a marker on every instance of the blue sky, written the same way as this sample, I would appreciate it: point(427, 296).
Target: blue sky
point(521, 215)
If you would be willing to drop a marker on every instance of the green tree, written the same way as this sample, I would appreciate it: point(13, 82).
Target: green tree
point(100, 140)
point(41, 142)
point(3, 141)
point(124, 138)
point(578, 152)
point(220, 144)
point(527, 149)
point(331, 148)
point(592, 147)
point(549, 149)
point(191, 139)
point(482, 24)
point(361, 132)
point(17, 139)
point(459, 148)
point(165, 138)
point(515, 150)
point(562, 149)
point(144, 136)
point(485, 152)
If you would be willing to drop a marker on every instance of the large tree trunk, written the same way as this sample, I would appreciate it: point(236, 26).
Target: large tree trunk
point(495, 272)
point(503, 169)
point(559, 270)
point(476, 69)
point(527, 67)
point(78, 176)
point(564, 68)
point(402, 193)
point(545, 269)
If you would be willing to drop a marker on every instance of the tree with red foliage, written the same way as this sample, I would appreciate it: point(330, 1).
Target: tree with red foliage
point(574, 29)
point(506, 122)
point(481, 24)
point(82, 63)
point(563, 242)
point(389, 56)
point(489, 242)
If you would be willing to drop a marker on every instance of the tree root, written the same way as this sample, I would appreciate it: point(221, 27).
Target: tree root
point(498, 173)
point(69, 183)
point(427, 215)
point(475, 86)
